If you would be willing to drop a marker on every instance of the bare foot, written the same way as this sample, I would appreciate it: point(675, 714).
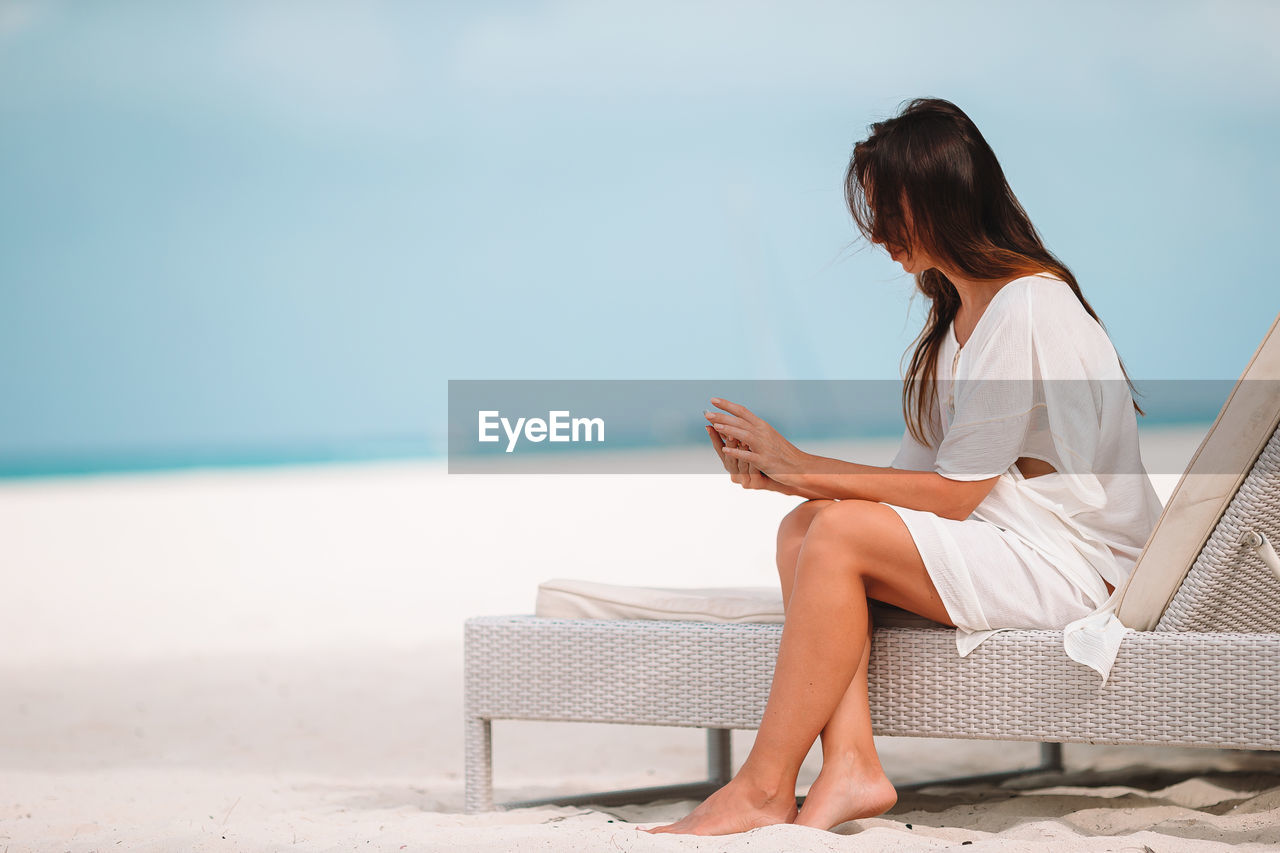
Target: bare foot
point(737, 807)
point(844, 792)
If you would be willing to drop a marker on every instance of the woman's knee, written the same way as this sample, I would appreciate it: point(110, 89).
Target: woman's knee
point(795, 524)
point(843, 527)
point(840, 518)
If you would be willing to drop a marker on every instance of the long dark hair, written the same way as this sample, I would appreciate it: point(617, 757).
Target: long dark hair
point(931, 160)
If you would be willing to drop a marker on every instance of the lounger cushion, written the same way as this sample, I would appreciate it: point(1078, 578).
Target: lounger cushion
point(579, 599)
point(1228, 451)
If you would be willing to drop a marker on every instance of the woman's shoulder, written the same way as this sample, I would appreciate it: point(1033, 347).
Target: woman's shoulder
point(1025, 289)
point(1027, 301)
point(1046, 297)
point(1061, 323)
point(1044, 307)
point(1041, 286)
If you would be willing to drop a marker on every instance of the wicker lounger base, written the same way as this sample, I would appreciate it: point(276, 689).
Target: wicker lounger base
point(1167, 688)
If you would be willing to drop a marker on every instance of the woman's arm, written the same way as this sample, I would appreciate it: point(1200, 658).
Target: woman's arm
point(822, 477)
point(796, 491)
point(923, 490)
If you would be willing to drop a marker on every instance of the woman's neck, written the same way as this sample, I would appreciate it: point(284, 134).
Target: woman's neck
point(975, 296)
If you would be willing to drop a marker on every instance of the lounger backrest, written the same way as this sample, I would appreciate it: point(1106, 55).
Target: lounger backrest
point(1194, 573)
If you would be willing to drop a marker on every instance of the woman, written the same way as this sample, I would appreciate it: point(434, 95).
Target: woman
point(1017, 499)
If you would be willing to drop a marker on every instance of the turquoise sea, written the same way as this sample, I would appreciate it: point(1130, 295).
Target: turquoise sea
point(245, 233)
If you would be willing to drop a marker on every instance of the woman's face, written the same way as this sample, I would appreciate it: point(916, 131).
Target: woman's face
point(913, 259)
point(913, 262)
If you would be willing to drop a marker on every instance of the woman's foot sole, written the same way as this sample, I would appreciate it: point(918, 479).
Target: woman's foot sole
point(836, 798)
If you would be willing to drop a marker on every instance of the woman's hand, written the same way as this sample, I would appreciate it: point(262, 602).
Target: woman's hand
point(743, 473)
point(758, 448)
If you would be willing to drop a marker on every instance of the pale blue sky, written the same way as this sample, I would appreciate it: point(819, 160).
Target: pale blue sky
point(274, 230)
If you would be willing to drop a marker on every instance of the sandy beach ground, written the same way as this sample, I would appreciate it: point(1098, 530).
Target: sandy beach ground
point(270, 659)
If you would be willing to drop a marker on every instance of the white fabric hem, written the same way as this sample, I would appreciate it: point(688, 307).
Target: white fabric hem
point(1094, 640)
point(967, 641)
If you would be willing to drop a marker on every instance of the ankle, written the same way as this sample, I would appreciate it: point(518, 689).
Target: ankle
point(765, 788)
point(853, 764)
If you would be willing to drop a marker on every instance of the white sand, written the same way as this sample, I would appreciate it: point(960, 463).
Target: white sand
point(271, 659)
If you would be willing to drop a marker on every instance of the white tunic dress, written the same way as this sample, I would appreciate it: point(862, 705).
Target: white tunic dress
point(1040, 378)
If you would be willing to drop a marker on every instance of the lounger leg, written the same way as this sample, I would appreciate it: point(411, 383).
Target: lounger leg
point(1050, 762)
point(479, 760)
point(719, 756)
point(1050, 758)
point(719, 772)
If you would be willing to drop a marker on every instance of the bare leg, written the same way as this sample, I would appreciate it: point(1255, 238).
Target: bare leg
point(822, 649)
point(852, 784)
point(791, 535)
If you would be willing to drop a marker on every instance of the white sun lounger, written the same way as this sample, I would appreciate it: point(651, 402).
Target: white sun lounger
point(1198, 665)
